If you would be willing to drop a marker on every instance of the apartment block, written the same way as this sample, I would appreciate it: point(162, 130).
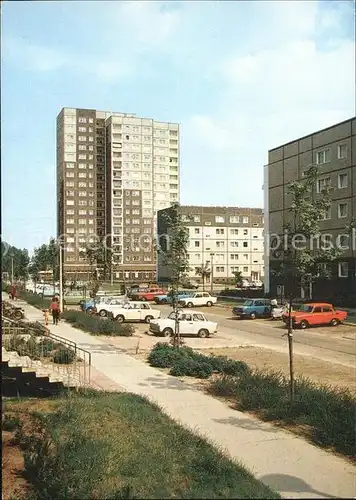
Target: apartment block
point(334, 151)
point(114, 172)
point(225, 239)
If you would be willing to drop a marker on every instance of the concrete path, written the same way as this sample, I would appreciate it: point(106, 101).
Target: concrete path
point(280, 459)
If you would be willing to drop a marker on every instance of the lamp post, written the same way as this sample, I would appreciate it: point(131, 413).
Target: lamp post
point(12, 269)
point(212, 272)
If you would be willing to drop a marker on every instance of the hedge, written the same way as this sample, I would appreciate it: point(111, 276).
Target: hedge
point(96, 325)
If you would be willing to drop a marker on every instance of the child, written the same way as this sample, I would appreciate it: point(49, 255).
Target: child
point(46, 316)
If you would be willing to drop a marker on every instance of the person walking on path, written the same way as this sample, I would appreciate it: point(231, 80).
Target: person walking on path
point(12, 292)
point(54, 307)
point(46, 316)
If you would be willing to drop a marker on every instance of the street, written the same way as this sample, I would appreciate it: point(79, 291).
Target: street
point(326, 343)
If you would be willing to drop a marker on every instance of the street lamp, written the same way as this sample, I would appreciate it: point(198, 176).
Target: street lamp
point(212, 272)
point(60, 278)
point(12, 269)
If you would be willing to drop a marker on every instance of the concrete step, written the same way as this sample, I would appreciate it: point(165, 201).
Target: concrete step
point(35, 367)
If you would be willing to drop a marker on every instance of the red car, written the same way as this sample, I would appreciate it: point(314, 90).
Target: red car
point(316, 313)
point(148, 295)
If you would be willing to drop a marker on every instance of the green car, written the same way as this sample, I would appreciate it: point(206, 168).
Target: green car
point(73, 298)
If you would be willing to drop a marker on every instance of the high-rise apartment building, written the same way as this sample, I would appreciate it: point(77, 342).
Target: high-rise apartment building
point(334, 151)
point(114, 171)
point(224, 239)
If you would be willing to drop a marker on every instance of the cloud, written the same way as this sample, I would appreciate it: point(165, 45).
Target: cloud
point(36, 58)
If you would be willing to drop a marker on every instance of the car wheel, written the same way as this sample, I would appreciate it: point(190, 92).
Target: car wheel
point(190, 304)
point(202, 334)
point(334, 322)
point(253, 315)
point(304, 324)
point(209, 303)
point(103, 313)
point(167, 332)
point(89, 310)
point(148, 319)
point(120, 318)
point(164, 301)
point(18, 315)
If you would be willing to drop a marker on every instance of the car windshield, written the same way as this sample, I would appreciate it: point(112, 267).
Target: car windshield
point(248, 303)
point(172, 315)
point(306, 308)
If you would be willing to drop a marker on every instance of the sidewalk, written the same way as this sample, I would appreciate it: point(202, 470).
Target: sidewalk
point(280, 459)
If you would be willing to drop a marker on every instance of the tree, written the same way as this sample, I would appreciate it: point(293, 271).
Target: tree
point(300, 262)
point(14, 259)
point(100, 259)
point(204, 272)
point(172, 251)
point(238, 278)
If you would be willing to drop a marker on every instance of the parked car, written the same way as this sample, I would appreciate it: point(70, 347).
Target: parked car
point(190, 323)
point(190, 285)
point(198, 299)
point(147, 295)
point(134, 311)
point(167, 298)
point(256, 284)
point(316, 313)
point(72, 297)
point(104, 305)
point(253, 308)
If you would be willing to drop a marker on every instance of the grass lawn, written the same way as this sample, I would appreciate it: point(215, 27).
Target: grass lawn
point(110, 445)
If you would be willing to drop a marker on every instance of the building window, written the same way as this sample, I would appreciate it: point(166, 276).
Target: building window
point(82, 157)
point(70, 212)
point(82, 147)
point(234, 231)
point(326, 215)
point(245, 220)
point(323, 184)
point(343, 181)
point(234, 256)
point(69, 174)
point(70, 184)
point(342, 210)
point(343, 269)
point(82, 184)
point(220, 244)
point(70, 221)
point(245, 256)
point(197, 244)
point(219, 219)
point(196, 231)
point(220, 231)
point(82, 138)
point(82, 129)
point(82, 120)
point(234, 244)
point(245, 269)
point(245, 244)
point(220, 269)
point(323, 156)
point(234, 219)
point(342, 151)
point(70, 165)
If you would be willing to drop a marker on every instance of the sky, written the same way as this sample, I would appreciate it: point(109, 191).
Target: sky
point(240, 78)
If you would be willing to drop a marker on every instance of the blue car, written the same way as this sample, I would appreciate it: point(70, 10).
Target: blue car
point(253, 308)
point(168, 298)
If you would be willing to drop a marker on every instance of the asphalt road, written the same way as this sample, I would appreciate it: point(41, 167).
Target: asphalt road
point(326, 343)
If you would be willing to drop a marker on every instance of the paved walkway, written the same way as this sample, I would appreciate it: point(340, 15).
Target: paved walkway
point(280, 459)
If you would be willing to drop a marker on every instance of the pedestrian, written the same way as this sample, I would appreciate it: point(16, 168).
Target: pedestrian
point(46, 316)
point(54, 307)
point(274, 302)
point(12, 292)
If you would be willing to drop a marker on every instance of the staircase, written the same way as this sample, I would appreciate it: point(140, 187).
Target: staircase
point(26, 376)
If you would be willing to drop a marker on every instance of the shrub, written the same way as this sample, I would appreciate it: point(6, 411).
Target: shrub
point(96, 325)
point(328, 413)
point(47, 346)
point(10, 423)
point(64, 356)
point(190, 367)
point(15, 343)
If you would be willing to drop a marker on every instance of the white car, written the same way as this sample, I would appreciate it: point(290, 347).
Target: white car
point(198, 299)
point(190, 323)
point(132, 311)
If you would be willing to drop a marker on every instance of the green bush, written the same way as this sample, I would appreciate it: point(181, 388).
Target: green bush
point(190, 367)
point(96, 325)
point(10, 423)
point(35, 300)
point(47, 346)
point(329, 413)
point(64, 356)
point(183, 361)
